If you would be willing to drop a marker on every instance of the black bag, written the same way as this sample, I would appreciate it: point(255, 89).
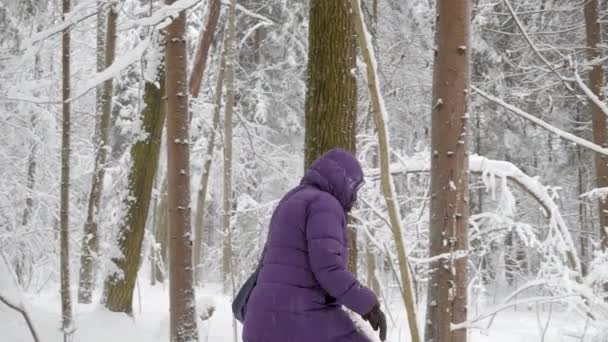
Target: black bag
point(239, 304)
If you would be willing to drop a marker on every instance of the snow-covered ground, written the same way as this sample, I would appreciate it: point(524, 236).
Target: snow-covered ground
point(151, 321)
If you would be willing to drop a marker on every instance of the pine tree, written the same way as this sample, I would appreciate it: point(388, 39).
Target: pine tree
point(447, 290)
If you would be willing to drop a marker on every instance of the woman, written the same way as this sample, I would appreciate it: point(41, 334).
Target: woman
point(303, 281)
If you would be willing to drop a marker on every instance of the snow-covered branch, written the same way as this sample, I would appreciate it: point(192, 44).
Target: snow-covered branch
point(19, 307)
point(565, 135)
point(596, 100)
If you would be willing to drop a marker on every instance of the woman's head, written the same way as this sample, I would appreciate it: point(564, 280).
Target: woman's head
point(339, 173)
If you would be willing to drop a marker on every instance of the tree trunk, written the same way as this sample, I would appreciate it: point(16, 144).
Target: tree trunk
point(331, 96)
point(204, 182)
point(231, 60)
point(90, 243)
point(202, 52)
point(66, 301)
point(181, 290)
point(161, 234)
point(598, 118)
point(118, 294)
point(386, 180)
point(447, 297)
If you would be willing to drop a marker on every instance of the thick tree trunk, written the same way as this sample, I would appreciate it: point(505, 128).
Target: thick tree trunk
point(227, 257)
point(598, 118)
point(447, 297)
point(204, 43)
point(204, 182)
point(66, 301)
point(90, 243)
point(181, 290)
point(118, 293)
point(331, 96)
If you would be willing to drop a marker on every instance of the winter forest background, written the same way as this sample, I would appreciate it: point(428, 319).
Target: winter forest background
point(95, 239)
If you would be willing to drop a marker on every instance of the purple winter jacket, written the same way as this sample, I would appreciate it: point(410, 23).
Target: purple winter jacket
point(303, 281)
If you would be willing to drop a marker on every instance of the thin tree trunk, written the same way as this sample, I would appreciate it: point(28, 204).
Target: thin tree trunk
point(598, 118)
point(118, 292)
point(447, 299)
point(181, 290)
point(386, 180)
point(331, 97)
point(230, 102)
point(161, 234)
point(204, 43)
point(66, 301)
point(204, 182)
point(90, 240)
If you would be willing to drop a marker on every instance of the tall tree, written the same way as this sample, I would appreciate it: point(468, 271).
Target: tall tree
point(181, 297)
point(90, 244)
point(230, 49)
point(331, 96)
point(593, 30)
point(447, 298)
point(66, 301)
point(118, 291)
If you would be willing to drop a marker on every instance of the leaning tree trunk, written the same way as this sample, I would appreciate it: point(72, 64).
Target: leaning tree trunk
point(204, 182)
point(66, 301)
point(598, 118)
point(181, 293)
point(118, 293)
point(447, 291)
point(204, 44)
point(90, 241)
point(386, 180)
point(331, 97)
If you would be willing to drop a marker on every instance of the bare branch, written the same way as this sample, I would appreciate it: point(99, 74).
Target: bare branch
point(21, 309)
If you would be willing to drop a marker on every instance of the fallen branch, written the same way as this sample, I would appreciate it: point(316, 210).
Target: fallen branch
point(565, 135)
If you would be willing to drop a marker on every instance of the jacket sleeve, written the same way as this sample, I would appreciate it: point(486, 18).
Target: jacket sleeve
point(324, 234)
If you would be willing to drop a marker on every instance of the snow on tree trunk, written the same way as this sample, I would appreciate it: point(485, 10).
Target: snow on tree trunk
point(386, 181)
point(119, 287)
point(331, 97)
point(90, 241)
point(66, 301)
point(447, 289)
point(596, 82)
point(181, 290)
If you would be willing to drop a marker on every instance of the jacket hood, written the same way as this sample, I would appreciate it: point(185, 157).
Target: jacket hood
point(337, 172)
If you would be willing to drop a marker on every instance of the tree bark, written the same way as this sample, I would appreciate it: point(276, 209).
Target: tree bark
point(118, 293)
point(596, 82)
point(204, 181)
point(90, 240)
point(447, 297)
point(66, 301)
point(331, 96)
point(181, 290)
point(231, 60)
point(204, 43)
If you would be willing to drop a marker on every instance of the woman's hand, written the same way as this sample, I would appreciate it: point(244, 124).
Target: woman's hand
point(377, 320)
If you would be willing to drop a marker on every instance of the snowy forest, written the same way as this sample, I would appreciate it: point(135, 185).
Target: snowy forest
point(144, 145)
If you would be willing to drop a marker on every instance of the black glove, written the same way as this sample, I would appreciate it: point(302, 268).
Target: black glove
point(377, 320)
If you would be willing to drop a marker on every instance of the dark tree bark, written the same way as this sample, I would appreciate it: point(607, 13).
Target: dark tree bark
point(118, 292)
point(331, 96)
point(447, 297)
point(593, 29)
point(181, 293)
point(66, 301)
